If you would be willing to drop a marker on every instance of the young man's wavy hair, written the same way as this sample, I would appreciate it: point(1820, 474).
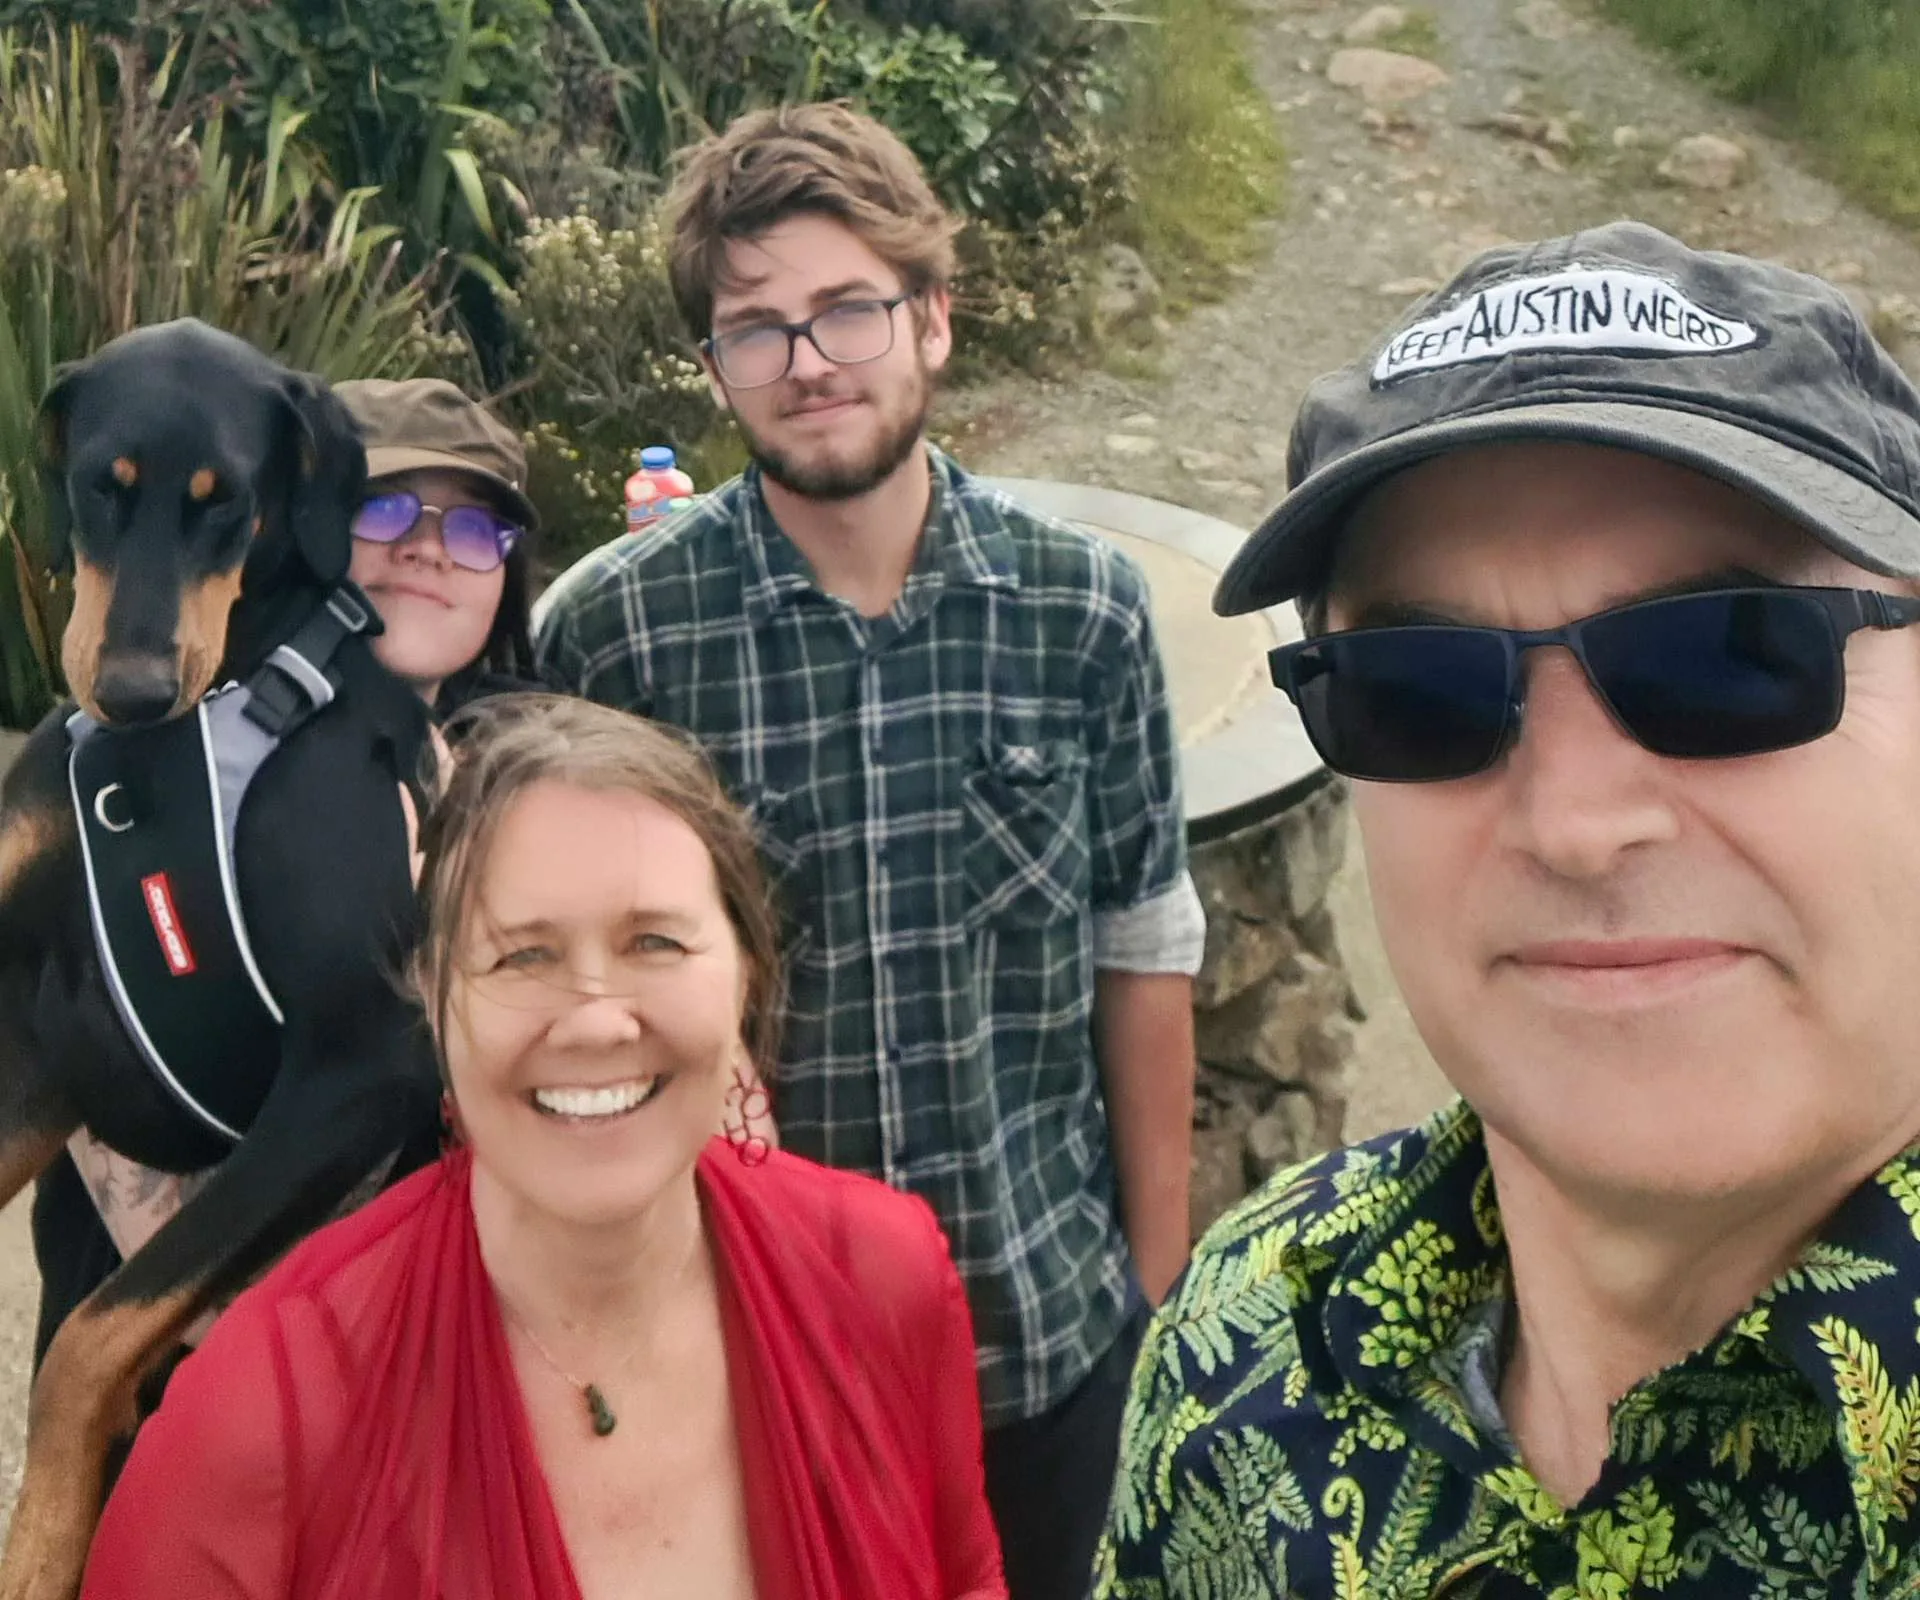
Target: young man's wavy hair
point(822, 159)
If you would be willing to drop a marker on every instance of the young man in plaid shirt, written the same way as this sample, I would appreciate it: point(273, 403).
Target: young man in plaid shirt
point(949, 716)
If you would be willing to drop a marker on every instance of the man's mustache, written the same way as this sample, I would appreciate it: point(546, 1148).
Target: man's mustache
point(811, 393)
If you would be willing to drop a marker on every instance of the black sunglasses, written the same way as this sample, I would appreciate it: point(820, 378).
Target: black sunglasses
point(1726, 672)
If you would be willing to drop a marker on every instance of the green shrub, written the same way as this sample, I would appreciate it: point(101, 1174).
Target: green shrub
point(1025, 285)
point(1867, 117)
point(642, 80)
point(609, 370)
point(943, 101)
point(1755, 48)
point(378, 73)
point(1200, 143)
point(1844, 75)
point(1009, 31)
point(387, 88)
point(645, 80)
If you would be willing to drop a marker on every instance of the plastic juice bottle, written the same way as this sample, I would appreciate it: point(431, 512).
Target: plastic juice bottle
point(651, 490)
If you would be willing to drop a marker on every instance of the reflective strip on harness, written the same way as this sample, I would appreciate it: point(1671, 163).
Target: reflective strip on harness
point(232, 760)
point(158, 808)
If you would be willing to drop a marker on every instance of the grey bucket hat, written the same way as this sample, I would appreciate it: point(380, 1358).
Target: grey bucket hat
point(1744, 370)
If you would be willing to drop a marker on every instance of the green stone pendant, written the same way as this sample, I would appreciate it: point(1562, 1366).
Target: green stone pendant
point(604, 1421)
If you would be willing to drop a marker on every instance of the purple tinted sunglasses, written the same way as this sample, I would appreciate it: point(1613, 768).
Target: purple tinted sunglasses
point(473, 536)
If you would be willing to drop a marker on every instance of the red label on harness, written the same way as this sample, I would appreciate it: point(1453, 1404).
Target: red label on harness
point(166, 924)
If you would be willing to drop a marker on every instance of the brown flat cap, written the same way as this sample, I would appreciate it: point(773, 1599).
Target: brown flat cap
point(411, 424)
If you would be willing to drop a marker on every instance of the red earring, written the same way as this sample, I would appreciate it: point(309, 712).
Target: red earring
point(747, 1100)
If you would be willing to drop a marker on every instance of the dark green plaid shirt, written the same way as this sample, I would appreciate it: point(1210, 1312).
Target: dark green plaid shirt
point(946, 795)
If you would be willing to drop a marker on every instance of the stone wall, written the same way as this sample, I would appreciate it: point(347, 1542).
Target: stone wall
point(1274, 1011)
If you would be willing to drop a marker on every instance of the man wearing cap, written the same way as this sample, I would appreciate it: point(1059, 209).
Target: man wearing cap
point(1607, 558)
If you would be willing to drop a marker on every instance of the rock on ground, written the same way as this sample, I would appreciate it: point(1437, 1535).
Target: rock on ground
point(1374, 24)
point(1384, 77)
point(1547, 20)
point(1127, 292)
point(1705, 161)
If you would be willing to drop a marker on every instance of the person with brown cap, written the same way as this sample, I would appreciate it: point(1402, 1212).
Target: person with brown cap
point(440, 541)
point(1608, 559)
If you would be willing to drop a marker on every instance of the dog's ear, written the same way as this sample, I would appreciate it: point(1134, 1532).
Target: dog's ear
point(54, 407)
point(330, 476)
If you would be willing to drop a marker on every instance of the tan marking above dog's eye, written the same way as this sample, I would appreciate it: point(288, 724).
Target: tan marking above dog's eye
point(126, 471)
point(201, 484)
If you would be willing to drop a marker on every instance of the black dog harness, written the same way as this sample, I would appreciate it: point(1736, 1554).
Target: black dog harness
point(159, 809)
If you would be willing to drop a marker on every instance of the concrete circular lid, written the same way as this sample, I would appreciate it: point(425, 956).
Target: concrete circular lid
point(1243, 752)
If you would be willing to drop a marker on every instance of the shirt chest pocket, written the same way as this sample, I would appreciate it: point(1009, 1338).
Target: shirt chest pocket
point(1025, 829)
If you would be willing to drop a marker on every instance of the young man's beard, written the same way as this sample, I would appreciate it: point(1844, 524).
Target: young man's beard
point(847, 480)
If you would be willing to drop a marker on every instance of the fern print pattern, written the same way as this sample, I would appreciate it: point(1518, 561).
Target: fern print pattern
point(1302, 1426)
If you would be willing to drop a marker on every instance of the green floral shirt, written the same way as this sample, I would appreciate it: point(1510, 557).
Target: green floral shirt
point(1311, 1417)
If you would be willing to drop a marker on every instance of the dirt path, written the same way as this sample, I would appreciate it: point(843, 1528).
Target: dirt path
point(1379, 207)
point(1383, 204)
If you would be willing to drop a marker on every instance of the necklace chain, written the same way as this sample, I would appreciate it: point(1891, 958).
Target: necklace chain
point(600, 1415)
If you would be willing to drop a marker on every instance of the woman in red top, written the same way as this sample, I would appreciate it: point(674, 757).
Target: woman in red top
point(594, 1351)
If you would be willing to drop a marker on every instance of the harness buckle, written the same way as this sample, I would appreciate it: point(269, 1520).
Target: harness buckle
point(313, 683)
point(272, 703)
point(345, 604)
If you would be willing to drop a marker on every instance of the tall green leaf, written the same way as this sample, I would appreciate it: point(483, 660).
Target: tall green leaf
point(122, 203)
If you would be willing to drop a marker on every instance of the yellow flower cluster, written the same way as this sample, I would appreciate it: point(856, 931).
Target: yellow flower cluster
point(33, 202)
point(597, 298)
point(612, 367)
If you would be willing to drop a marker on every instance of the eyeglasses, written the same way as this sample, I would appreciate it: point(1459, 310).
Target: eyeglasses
point(846, 334)
point(1726, 672)
point(473, 536)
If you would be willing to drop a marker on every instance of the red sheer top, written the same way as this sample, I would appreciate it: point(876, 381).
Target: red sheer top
point(352, 1428)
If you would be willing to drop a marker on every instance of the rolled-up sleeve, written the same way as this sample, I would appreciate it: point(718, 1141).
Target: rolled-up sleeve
point(1167, 933)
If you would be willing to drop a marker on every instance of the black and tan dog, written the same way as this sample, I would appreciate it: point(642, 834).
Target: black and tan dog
point(203, 495)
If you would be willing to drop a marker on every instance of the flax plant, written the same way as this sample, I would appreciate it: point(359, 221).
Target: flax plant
point(121, 205)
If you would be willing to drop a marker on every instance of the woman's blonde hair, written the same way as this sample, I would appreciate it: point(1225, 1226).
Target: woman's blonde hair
point(507, 744)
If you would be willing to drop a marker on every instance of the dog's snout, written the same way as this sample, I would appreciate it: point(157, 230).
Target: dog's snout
point(136, 688)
